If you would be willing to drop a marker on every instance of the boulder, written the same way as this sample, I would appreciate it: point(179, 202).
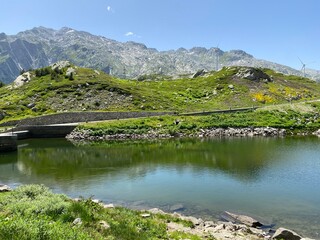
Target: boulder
point(317, 133)
point(145, 215)
point(77, 221)
point(4, 188)
point(246, 220)
point(253, 74)
point(199, 73)
point(60, 65)
point(70, 71)
point(31, 105)
point(108, 205)
point(156, 211)
point(22, 79)
point(286, 234)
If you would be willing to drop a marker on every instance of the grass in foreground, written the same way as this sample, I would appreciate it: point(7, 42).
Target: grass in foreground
point(34, 212)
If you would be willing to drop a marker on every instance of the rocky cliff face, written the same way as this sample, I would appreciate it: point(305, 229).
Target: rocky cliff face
point(41, 46)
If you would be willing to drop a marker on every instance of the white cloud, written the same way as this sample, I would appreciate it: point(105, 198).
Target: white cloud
point(131, 34)
point(128, 34)
point(110, 9)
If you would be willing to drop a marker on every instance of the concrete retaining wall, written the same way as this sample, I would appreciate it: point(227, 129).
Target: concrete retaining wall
point(47, 131)
point(8, 142)
point(73, 117)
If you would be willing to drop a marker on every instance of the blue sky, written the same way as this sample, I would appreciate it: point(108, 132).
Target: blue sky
point(275, 30)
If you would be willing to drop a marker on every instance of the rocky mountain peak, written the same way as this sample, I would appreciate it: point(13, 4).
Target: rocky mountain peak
point(42, 46)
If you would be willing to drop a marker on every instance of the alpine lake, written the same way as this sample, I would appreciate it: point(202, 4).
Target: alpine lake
point(275, 180)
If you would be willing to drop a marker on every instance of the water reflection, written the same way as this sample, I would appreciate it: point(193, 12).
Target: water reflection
point(243, 159)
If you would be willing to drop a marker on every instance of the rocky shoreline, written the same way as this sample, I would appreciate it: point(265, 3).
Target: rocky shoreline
point(234, 226)
point(89, 135)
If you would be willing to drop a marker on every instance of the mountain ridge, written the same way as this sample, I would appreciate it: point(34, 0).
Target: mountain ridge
point(41, 46)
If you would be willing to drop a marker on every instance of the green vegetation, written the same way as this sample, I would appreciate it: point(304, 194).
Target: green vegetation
point(92, 90)
point(34, 212)
point(289, 119)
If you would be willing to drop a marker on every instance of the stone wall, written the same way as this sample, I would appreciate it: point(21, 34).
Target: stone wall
point(56, 131)
point(74, 117)
point(8, 142)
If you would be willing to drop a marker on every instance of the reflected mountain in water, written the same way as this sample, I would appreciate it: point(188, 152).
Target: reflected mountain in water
point(243, 159)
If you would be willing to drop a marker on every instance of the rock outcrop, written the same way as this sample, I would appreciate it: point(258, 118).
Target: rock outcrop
point(286, 234)
point(22, 79)
point(253, 74)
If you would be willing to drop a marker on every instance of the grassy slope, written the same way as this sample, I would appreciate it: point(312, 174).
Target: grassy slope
point(92, 91)
point(283, 117)
point(33, 212)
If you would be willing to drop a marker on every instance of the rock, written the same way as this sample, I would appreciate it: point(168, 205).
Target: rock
point(2, 115)
point(4, 188)
point(22, 79)
point(156, 211)
point(104, 225)
point(253, 74)
point(77, 221)
point(145, 215)
point(249, 221)
point(60, 65)
point(70, 71)
point(286, 234)
point(96, 201)
point(230, 86)
point(219, 228)
point(31, 105)
point(176, 207)
point(208, 224)
point(199, 73)
point(108, 205)
point(317, 133)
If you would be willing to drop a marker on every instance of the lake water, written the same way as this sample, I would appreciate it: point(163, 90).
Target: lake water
point(276, 180)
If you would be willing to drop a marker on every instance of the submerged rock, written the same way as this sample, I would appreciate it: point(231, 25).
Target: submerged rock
point(249, 221)
point(176, 207)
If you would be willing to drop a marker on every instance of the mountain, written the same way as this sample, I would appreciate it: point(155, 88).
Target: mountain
point(42, 46)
